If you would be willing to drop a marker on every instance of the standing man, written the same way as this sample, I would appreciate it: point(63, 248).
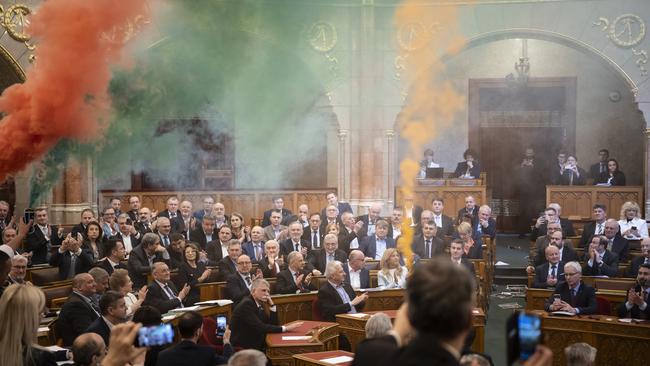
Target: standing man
point(42, 237)
point(272, 263)
point(470, 209)
point(87, 215)
point(173, 214)
point(295, 241)
point(205, 233)
point(78, 312)
point(314, 233)
point(134, 205)
point(601, 166)
point(333, 200)
point(129, 236)
point(208, 205)
point(444, 223)
point(278, 204)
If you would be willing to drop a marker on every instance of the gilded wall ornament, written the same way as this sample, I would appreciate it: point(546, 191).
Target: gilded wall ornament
point(322, 36)
point(627, 30)
point(412, 36)
point(15, 21)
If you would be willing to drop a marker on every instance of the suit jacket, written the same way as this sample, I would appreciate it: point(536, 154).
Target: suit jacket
point(215, 254)
point(286, 247)
point(621, 247)
point(423, 350)
point(609, 266)
point(236, 288)
point(567, 229)
point(490, 230)
point(307, 236)
point(364, 276)
point(579, 180)
point(418, 246)
point(319, 259)
point(142, 228)
point(342, 206)
point(329, 301)
point(36, 243)
point(100, 327)
point(78, 229)
point(373, 351)
point(266, 220)
point(345, 238)
point(249, 325)
point(200, 355)
point(635, 312)
point(133, 215)
point(83, 263)
point(568, 254)
point(139, 267)
point(369, 245)
point(617, 180)
point(634, 267)
point(249, 250)
point(188, 275)
point(285, 283)
point(585, 299)
point(461, 168)
point(594, 170)
point(197, 235)
point(541, 273)
point(157, 298)
point(366, 220)
point(226, 268)
point(269, 233)
point(75, 317)
point(270, 272)
point(587, 232)
point(463, 211)
point(447, 228)
point(105, 265)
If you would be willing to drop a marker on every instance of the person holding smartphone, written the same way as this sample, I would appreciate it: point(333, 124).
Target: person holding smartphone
point(573, 296)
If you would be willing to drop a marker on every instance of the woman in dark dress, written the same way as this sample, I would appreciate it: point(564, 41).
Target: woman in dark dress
point(192, 272)
point(94, 241)
point(469, 168)
point(612, 176)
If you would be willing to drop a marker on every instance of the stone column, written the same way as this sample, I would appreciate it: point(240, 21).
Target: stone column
point(644, 107)
point(343, 183)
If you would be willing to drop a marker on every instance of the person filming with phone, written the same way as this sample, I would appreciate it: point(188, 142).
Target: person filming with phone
point(573, 296)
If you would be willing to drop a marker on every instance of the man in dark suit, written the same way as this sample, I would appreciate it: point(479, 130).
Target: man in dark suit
point(187, 351)
point(337, 297)
point(115, 255)
point(129, 236)
point(550, 273)
point(601, 166)
point(333, 200)
point(295, 241)
point(143, 225)
point(469, 168)
point(296, 278)
point(616, 243)
point(314, 233)
point(143, 257)
point(218, 249)
point(208, 206)
point(370, 221)
point(273, 262)
point(575, 297)
point(567, 254)
point(238, 285)
point(638, 261)
point(596, 227)
point(425, 216)
point(471, 208)
point(134, 208)
point(42, 237)
point(427, 245)
point(638, 297)
point(329, 253)
point(375, 245)
point(162, 293)
point(250, 321)
point(87, 215)
point(444, 223)
point(204, 234)
point(228, 265)
point(551, 216)
point(278, 204)
point(485, 224)
point(113, 311)
point(456, 253)
point(71, 258)
point(255, 247)
point(78, 312)
point(348, 238)
point(356, 273)
point(599, 260)
point(173, 214)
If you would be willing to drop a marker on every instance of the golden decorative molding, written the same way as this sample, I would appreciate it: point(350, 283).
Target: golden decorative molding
point(626, 31)
point(15, 21)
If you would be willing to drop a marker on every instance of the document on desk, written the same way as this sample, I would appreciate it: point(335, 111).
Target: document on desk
point(358, 315)
point(214, 302)
point(296, 338)
point(182, 310)
point(337, 360)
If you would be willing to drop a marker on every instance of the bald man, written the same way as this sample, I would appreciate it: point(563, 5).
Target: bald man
point(79, 311)
point(89, 349)
point(551, 272)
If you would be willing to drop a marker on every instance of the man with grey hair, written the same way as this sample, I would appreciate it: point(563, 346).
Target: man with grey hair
point(143, 257)
point(370, 220)
point(88, 349)
point(18, 270)
point(162, 293)
point(337, 297)
point(378, 325)
point(616, 243)
point(486, 225)
point(329, 253)
point(248, 357)
point(575, 296)
point(296, 278)
point(101, 283)
point(580, 354)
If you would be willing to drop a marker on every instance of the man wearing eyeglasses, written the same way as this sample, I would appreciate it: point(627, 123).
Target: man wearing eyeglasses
point(575, 297)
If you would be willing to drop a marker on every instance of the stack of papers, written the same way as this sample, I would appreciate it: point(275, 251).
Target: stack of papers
point(215, 302)
point(182, 310)
point(337, 360)
point(296, 338)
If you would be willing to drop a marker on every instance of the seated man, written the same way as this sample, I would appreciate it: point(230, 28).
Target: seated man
point(596, 227)
point(218, 249)
point(113, 311)
point(556, 239)
point(71, 258)
point(600, 261)
point(638, 261)
point(228, 265)
point(278, 206)
point(370, 220)
point(275, 228)
point(444, 223)
point(295, 242)
point(18, 270)
point(88, 349)
point(548, 274)
point(143, 257)
point(238, 285)
point(250, 324)
point(337, 297)
point(190, 327)
point(636, 305)
point(115, 255)
point(314, 233)
point(616, 243)
point(329, 253)
point(356, 273)
point(204, 233)
point(471, 208)
point(486, 225)
point(348, 238)
point(128, 234)
point(78, 312)
point(456, 252)
point(272, 263)
point(427, 245)
point(296, 278)
point(162, 293)
point(575, 297)
point(374, 246)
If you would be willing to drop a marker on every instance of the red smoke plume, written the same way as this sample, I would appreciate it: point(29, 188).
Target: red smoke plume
point(65, 92)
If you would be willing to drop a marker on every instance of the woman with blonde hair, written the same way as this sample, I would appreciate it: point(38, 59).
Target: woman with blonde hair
point(472, 248)
point(392, 274)
point(631, 223)
point(20, 315)
point(332, 228)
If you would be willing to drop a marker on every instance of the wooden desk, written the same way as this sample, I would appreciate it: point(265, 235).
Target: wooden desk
point(579, 200)
point(617, 343)
point(325, 337)
point(354, 327)
point(535, 298)
point(454, 196)
point(315, 358)
point(205, 310)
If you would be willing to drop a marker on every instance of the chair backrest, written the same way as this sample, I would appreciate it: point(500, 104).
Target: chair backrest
point(56, 292)
point(374, 282)
point(44, 276)
point(315, 311)
point(604, 307)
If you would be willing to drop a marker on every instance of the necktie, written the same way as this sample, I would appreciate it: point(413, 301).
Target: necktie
point(602, 168)
point(346, 299)
point(169, 292)
point(73, 262)
point(553, 271)
point(248, 281)
point(609, 244)
point(258, 252)
point(297, 247)
point(165, 241)
point(172, 214)
point(330, 257)
point(647, 261)
point(599, 229)
point(573, 297)
point(571, 178)
point(427, 249)
point(314, 239)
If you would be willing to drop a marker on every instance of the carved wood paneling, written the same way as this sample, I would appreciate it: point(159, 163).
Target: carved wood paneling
point(453, 196)
point(578, 200)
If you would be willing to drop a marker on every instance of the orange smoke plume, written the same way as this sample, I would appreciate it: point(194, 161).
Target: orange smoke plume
point(65, 92)
point(432, 101)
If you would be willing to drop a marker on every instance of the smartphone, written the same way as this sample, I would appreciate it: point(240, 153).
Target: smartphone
point(221, 325)
point(157, 335)
point(634, 228)
point(523, 335)
point(29, 214)
point(557, 297)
